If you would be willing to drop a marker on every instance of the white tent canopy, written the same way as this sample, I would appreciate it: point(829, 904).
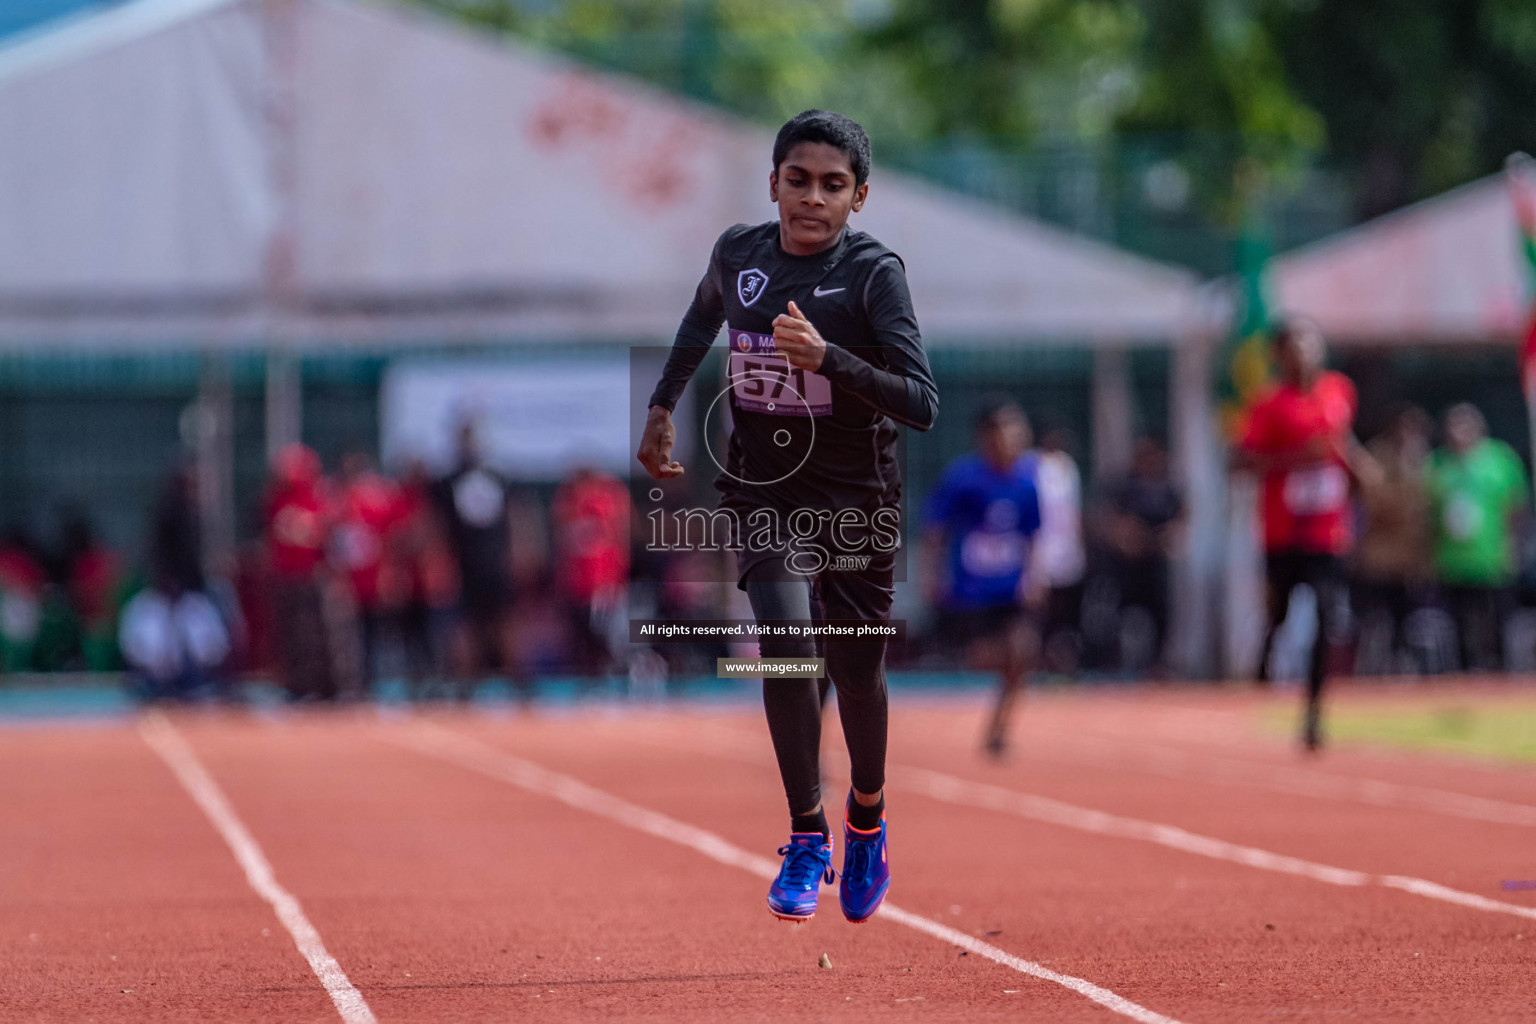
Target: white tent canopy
point(1448, 269)
point(318, 172)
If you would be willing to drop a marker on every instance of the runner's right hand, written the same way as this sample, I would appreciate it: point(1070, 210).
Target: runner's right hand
point(655, 452)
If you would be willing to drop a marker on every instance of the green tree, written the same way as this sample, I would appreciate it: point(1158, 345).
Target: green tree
point(762, 60)
point(1403, 97)
point(1416, 97)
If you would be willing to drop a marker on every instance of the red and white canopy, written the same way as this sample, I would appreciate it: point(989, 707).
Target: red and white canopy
point(323, 171)
point(1449, 269)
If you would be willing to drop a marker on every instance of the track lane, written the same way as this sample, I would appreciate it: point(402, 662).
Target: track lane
point(1221, 724)
point(118, 901)
point(1473, 857)
point(417, 874)
point(1185, 935)
point(452, 896)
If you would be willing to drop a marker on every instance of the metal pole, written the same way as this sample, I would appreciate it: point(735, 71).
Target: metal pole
point(216, 462)
point(1113, 412)
point(285, 401)
point(1198, 459)
point(280, 274)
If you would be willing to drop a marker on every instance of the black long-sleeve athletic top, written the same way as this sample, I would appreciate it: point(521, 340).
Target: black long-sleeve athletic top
point(825, 440)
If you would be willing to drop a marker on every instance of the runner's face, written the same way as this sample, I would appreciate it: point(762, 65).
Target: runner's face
point(1004, 441)
point(1301, 358)
point(815, 190)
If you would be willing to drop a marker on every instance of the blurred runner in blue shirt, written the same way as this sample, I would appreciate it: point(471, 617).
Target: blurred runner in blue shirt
point(981, 519)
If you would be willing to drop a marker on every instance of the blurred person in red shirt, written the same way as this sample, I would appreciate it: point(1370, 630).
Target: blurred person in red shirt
point(590, 513)
point(369, 514)
point(1298, 438)
point(23, 578)
point(299, 519)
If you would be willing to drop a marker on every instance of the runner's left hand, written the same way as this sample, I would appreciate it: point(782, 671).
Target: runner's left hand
point(797, 338)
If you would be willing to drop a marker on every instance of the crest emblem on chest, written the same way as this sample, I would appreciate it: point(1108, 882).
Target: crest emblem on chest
point(750, 285)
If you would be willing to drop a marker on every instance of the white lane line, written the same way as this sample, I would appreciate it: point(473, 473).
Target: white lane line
point(726, 742)
point(447, 745)
point(164, 740)
point(1127, 752)
point(955, 790)
point(1177, 764)
point(1237, 737)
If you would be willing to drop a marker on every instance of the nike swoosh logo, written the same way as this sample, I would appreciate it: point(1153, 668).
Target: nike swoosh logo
point(819, 292)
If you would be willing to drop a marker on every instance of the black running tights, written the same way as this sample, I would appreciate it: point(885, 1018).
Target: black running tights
point(856, 669)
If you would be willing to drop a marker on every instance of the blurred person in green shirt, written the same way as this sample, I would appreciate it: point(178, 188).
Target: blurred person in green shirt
point(1477, 486)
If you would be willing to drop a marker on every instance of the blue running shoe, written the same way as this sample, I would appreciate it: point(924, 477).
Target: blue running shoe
point(807, 863)
point(866, 872)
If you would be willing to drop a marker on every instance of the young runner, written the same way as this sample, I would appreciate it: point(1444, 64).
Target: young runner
point(981, 520)
point(1299, 440)
point(826, 359)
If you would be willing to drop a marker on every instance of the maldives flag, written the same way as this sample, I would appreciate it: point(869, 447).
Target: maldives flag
point(1528, 358)
point(1520, 172)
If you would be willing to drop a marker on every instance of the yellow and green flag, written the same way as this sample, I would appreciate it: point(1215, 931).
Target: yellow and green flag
point(1245, 366)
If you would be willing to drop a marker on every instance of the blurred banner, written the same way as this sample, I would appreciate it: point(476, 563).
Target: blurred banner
point(533, 420)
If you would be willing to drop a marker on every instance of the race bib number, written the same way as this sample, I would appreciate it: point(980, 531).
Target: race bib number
point(478, 499)
point(763, 381)
point(992, 554)
point(1316, 490)
point(1463, 517)
point(357, 546)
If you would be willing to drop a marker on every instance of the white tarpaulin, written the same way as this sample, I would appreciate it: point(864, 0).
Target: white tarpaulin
point(315, 170)
point(515, 408)
point(1447, 269)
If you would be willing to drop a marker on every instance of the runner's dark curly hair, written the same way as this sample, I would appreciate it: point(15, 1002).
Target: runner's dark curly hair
point(833, 129)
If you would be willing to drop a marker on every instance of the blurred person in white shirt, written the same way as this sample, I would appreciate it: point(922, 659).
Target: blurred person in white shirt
point(1058, 561)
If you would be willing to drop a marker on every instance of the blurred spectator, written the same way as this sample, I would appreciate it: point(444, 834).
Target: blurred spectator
point(431, 581)
point(1391, 570)
point(1477, 486)
point(1141, 518)
point(175, 537)
point(298, 528)
point(91, 575)
point(23, 578)
point(473, 500)
point(980, 520)
point(670, 583)
point(177, 652)
point(174, 641)
point(1058, 561)
point(369, 515)
point(590, 513)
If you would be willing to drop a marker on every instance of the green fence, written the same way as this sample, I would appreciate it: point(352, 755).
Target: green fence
point(102, 433)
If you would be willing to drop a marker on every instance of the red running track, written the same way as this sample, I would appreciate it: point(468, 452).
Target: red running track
point(456, 872)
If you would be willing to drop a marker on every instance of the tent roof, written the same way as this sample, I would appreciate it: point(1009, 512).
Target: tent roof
point(320, 171)
point(1447, 269)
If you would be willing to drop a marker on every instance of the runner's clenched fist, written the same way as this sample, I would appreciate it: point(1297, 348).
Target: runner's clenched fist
point(798, 339)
